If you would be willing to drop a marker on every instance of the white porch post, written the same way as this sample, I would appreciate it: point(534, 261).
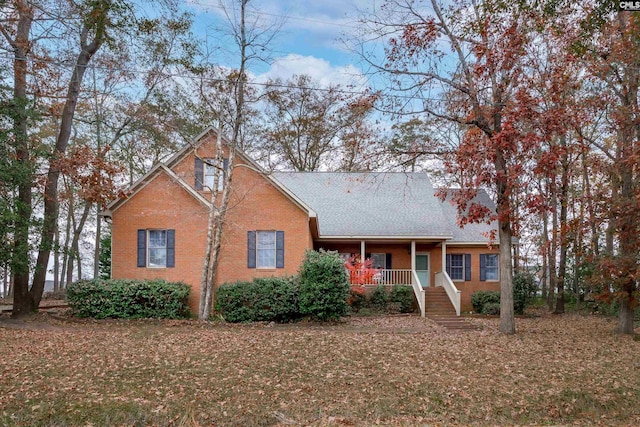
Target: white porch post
point(413, 255)
point(444, 255)
point(362, 251)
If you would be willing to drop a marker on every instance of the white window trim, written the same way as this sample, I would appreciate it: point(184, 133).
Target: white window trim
point(149, 248)
point(497, 268)
point(205, 164)
point(463, 272)
point(275, 250)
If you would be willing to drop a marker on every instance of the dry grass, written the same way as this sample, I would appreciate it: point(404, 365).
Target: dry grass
point(388, 371)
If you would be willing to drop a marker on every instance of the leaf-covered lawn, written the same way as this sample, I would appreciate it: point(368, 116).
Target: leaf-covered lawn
point(389, 371)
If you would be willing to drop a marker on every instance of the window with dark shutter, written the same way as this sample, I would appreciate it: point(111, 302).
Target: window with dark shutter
point(198, 173)
point(251, 249)
point(483, 267)
point(171, 248)
point(467, 267)
point(142, 248)
point(279, 249)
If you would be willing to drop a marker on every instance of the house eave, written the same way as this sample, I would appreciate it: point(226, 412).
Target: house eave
point(384, 237)
point(472, 243)
point(146, 179)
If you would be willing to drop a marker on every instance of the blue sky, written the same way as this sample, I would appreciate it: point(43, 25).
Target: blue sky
point(313, 37)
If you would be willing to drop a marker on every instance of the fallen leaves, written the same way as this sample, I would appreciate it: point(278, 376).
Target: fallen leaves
point(386, 370)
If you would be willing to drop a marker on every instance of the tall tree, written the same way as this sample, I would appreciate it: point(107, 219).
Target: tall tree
point(476, 86)
point(251, 37)
point(306, 124)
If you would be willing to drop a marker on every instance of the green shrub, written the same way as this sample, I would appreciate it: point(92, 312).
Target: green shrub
point(481, 298)
point(128, 299)
point(402, 296)
point(356, 300)
point(264, 299)
point(379, 299)
point(324, 286)
point(491, 308)
point(524, 291)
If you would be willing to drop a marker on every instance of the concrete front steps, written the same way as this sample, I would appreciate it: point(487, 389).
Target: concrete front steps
point(440, 310)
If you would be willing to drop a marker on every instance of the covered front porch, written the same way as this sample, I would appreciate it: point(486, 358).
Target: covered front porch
point(416, 263)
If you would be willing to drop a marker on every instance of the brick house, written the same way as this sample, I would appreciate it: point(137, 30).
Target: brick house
point(394, 219)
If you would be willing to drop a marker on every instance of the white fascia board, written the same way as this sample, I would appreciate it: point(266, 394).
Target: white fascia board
point(385, 238)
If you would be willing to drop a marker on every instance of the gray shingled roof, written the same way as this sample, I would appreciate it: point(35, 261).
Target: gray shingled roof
point(378, 204)
point(471, 232)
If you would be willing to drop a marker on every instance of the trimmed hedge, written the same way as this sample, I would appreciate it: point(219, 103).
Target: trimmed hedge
point(128, 299)
point(264, 299)
point(481, 298)
point(324, 286)
point(403, 297)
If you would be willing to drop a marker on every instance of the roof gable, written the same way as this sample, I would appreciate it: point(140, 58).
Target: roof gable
point(146, 179)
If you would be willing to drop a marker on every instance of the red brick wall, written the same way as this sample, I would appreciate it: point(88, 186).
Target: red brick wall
point(255, 205)
point(469, 287)
point(165, 205)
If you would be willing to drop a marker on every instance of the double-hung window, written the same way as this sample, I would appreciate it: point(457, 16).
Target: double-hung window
point(265, 249)
point(489, 267)
point(457, 267)
point(156, 248)
point(205, 172)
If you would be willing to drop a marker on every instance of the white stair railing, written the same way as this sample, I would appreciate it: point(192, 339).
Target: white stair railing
point(443, 279)
point(419, 291)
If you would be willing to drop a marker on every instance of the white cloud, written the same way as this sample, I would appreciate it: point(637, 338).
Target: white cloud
point(319, 69)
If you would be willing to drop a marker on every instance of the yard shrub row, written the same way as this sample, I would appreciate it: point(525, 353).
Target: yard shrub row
point(128, 299)
point(319, 292)
point(524, 292)
point(264, 299)
point(384, 299)
point(481, 299)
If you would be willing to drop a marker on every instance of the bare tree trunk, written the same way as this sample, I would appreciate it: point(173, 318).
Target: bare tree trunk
point(564, 201)
point(218, 213)
point(507, 319)
point(87, 50)
point(70, 249)
point(553, 277)
point(65, 248)
point(56, 260)
point(96, 252)
point(23, 303)
point(545, 254)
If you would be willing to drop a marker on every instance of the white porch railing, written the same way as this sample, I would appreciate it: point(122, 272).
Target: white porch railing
point(419, 291)
point(382, 277)
point(388, 277)
point(443, 279)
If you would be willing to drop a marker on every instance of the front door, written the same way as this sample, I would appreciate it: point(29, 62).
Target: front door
point(422, 269)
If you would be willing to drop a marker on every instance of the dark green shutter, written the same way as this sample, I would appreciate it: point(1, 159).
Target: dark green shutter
point(448, 257)
point(251, 249)
point(388, 261)
point(199, 173)
point(483, 267)
point(467, 267)
point(171, 248)
point(279, 249)
point(142, 248)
